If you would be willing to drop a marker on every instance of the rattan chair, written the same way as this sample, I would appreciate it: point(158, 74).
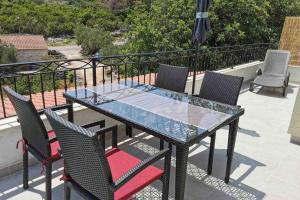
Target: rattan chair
point(274, 73)
point(221, 88)
point(42, 144)
point(98, 174)
point(172, 78)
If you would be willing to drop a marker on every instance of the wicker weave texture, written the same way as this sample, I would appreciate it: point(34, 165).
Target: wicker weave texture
point(33, 129)
point(290, 39)
point(221, 87)
point(172, 78)
point(85, 159)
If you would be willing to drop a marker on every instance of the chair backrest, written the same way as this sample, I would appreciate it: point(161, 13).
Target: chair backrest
point(172, 78)
point(84, 157)
point(33, 128)
point(276, 62)
point(221, 88)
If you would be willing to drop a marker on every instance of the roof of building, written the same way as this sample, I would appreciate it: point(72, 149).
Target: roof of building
point(24, 41)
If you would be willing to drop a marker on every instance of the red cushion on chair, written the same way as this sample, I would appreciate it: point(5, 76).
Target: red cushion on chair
point(121, 162)
point(54, 146)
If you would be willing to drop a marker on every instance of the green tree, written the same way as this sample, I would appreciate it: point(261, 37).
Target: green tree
point(278, 10)
point(7, 54)
point(95, 39)
point(239, 22)
point(168, 24)
point(52, 18)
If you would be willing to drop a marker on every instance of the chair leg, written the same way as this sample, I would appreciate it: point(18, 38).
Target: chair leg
point(161, 144)
point(284, 91)
point(25, 169)
point(129, 131)
point(228, 144)
point(67, 192)
point(211, 153)
point(48, 180)
point(166, 177)
point(251, 87)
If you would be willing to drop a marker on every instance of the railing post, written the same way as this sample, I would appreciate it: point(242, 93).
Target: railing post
point(194, 71)
point(94, 65)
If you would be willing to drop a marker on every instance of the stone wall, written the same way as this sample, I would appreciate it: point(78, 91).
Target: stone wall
point(31, 55)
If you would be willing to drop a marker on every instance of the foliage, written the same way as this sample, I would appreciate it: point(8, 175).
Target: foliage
point(278, 10)
point(7, 54)
point(94, 39)
point(168, 24)
point(239, 22)
point(52, 19)
point(34, 84)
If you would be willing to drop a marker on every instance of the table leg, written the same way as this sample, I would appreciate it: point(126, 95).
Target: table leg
point(233, 127)
point(70, 111)
point(181, 170)
point(129, 131)
point(211, 153)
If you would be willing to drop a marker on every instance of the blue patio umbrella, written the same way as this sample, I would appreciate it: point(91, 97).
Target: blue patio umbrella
point(201, 27)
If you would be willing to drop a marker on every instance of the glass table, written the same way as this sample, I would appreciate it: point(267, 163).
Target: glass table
point(176, 118)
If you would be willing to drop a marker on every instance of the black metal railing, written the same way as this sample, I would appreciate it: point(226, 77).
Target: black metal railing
point(45, 81)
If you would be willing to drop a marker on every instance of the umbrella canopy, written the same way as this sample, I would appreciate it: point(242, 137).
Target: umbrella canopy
point(202, 25)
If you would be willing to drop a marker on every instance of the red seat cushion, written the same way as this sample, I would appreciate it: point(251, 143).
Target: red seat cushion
point(120, 163)
point(54, 146)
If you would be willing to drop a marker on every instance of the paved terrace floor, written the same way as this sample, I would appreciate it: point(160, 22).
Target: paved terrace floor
point(265, 166)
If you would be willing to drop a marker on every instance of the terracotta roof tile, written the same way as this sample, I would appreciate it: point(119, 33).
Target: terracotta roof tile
point(24, 41)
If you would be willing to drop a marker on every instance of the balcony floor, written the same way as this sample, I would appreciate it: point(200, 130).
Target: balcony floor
point(265, 166)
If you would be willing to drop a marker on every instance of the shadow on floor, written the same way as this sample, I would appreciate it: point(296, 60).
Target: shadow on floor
point(12, 186)
point(199, 185)
point(242, 130)
point(273, 92)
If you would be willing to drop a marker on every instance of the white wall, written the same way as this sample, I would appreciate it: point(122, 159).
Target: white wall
point(28, 55)
point(295, 74)
point(248, 71)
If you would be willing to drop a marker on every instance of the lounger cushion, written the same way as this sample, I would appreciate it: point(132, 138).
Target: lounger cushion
point(270, 80)
point(120, 163)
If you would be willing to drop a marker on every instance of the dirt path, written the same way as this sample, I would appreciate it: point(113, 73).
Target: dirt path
point(73, 52)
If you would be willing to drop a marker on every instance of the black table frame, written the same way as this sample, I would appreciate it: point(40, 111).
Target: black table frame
point(182, 149)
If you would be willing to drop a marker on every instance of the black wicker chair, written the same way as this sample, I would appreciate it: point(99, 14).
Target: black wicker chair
point(98, 174)
point(42, 144)
point(221, 88)
point(172, 78)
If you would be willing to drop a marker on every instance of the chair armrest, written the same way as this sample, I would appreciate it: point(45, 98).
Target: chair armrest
point(100, 123)
point(140, 167)
point(258, 72)
point(102, 131)
point(61, 107)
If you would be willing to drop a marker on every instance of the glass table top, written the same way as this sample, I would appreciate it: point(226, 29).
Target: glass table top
point(171, 114)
